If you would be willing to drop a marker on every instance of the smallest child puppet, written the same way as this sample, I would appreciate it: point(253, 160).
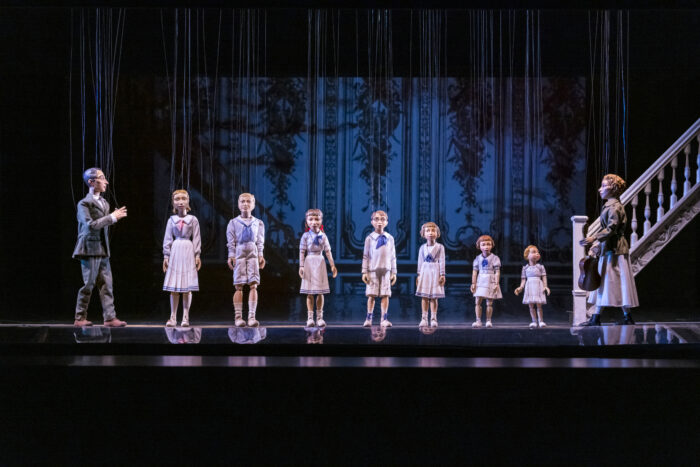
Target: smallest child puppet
point(379, 267)
point(534, 282)
point(245, 237)
point(430, 282)
point(486, 276)
point(312, 266)
point(182, 246)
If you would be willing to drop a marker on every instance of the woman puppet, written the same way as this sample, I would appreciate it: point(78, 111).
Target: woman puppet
point(534, 282)
point(430, 282)
point(182, 246)
point(617, 288)
point(486, 276)
point(312, 266)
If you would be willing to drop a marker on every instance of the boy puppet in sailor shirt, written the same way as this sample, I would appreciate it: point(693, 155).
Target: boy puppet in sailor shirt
point(379, 267)
point(246, 239)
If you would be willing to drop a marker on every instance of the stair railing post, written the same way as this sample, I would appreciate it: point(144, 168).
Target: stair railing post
point(647, 209)
point(686, 171)
point(674, 183)
point(697, 161)
point(660, 198)
point(634, 237)
point(579, 296)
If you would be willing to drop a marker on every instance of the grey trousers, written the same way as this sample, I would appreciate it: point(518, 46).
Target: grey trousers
point(96, 272)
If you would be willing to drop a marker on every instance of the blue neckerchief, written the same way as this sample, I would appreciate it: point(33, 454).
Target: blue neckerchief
point(484, 263)
point(247, 234)
point(317, 239)
point(429, 258)
point(381, 241)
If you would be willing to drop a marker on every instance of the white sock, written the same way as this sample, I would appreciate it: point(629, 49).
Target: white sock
point(252, 305)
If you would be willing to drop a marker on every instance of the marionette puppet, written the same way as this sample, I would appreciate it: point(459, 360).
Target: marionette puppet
point(486, 276)
point(617, 287)
point(430, 282)
point(379, 267)
point(533, 280)
point(92, 249)
point(312, 266)
point(182, 246)
point(246, 239)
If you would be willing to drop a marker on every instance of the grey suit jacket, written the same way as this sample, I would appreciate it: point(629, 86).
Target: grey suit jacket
point(94, 220)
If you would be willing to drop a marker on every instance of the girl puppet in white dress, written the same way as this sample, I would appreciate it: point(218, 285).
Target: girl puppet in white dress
point(534, 281)
point(312, 266)
point(430, 282)
point(486, 276)
point(182, 246)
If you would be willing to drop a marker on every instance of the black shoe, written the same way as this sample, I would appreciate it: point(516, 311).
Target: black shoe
point(626, 320)
point(594, 321)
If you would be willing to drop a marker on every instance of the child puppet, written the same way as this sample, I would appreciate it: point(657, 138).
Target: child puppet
point(379, 267)
point(485, 278)
point(431, 273)
point(312, 266)
point(246, 239)
point(534, 281)
point(182, 246)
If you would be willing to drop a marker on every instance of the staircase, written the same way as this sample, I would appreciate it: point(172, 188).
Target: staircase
point(672, 214)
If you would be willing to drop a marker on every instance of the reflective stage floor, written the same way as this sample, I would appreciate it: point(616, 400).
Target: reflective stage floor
point(282, 344)
point(348, 395)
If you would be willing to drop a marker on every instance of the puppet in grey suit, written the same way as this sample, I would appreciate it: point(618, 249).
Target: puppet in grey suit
point(92, 249)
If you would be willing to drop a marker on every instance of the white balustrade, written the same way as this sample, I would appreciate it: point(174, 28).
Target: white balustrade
point(634, 237)
point(686, 170)
point(674, 184)
point(697, 162)
point(660, 197)
point(647, 209)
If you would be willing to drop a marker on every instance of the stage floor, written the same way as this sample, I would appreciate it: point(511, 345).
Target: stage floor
point(614, 346)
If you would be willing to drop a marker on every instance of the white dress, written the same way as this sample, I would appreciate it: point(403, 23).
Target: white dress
point(486, 284)
point(431, 265)
point(534, 287)
point(315, 280)
point(182, 244)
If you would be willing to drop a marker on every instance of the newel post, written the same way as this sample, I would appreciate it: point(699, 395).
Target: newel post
point(579, 296)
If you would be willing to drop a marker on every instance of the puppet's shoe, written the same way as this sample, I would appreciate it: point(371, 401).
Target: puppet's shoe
point(488, 324)
point(386, 323)
point(433, 323)
point(533, 325)
point(476, 324)
point(185, 324)
point(253, 323)
point(594, 321)
point(239, 322)
point(367, 323)
point(423, 323)
point(82, 322)
point(172, 322)
point(310, 323)
point(115, 323)
point(320, 323)
point(543, 324)
point(626, 320)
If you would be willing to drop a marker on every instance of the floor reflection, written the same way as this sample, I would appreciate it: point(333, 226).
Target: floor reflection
point(180, 335)
point(634, 335)
point(378, 333)
point(247, 335)
point(93, 335)
point(314, 335)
